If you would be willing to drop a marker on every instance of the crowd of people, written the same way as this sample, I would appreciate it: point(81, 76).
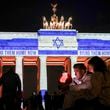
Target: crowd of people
point(93, 88)
point(88, 90)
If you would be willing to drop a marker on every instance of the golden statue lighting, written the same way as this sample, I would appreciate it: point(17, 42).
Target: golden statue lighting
point(55, 23)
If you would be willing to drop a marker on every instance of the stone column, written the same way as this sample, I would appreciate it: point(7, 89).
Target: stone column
point(43, 76)
point(19, 69)
point(73, 61)
point(43, 73)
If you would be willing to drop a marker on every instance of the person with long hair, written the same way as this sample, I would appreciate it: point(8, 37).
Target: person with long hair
point(100, 81)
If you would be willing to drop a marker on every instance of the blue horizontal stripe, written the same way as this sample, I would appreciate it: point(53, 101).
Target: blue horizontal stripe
point(93, 48)
point(18, 48)
point(57, 33)
point(57, 52)
point(93, 42)
point(19, 42)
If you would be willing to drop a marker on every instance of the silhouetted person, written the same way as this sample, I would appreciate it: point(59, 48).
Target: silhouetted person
point(11, 92)
point(1, 104)
point(48, 102)
point(55, 101)
point(39, 97)
point(33, 101)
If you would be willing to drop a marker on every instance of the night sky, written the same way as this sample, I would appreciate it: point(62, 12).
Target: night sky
point(26, 15)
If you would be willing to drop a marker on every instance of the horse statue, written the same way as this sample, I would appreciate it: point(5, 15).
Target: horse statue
point(68, 24)
point(61, 23)
point(54, 22)
point(45, 23)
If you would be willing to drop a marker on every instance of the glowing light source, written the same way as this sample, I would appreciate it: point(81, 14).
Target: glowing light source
point(64, 77)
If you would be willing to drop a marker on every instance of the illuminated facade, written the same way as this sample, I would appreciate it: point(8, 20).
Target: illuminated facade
point(42, 49)
point(39, 57)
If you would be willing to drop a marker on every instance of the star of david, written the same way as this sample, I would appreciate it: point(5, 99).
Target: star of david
point(58, 42)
